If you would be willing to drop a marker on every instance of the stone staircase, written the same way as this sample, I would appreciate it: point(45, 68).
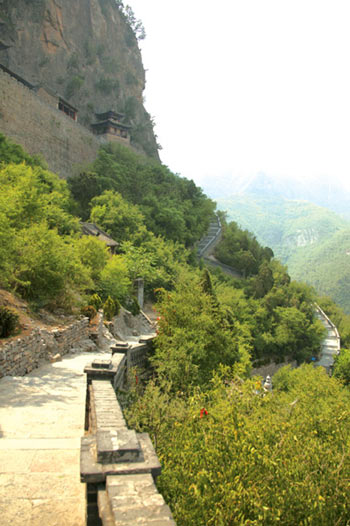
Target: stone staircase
point(212, 237)
point(206, 247)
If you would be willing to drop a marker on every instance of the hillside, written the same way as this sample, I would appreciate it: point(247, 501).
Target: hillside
point(311, 240)
point(326, 266)
point(86, 51)
point(282, 224)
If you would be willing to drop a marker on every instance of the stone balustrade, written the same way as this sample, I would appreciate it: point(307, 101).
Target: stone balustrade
point(118, 465)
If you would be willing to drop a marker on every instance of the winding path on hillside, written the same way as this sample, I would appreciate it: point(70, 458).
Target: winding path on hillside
point(207, 245)
point(330, 346)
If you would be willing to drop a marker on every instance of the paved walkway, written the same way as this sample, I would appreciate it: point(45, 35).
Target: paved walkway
point(41, 423)
point(330, 346)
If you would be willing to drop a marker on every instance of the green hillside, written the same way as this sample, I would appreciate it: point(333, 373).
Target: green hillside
point(310, 239)
point(326, 267)
point(204, 413)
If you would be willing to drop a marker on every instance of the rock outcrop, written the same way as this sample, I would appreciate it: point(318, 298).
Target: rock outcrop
point(84, 50)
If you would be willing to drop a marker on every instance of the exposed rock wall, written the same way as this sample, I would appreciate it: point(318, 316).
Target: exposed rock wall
point(19, 357)
point(83, 50)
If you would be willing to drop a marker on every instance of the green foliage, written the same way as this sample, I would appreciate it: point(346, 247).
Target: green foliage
point(8, 322)
point(135, 25)
point(195, 336)
point(30, 195)
point(109, 308)
point(48, 266)
point(96, 301)
point(172, 206)
point(156, 260)
point(114, 280)
point(13, 153)
point(117, 306)
point(310, 239)
point(233, 456)
point(122, 220)
point(342, 366)
point(239, 249)
point(90, 52)
point(93, 254)
point(85, 186)
point(73, 62)
point(107, 85)
point(74, 85)
point(37, 255)
point(89, 311)
point(133, 306)
point(326, 266)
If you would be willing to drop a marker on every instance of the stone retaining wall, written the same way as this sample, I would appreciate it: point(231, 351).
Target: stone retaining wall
point(42, 129)
point(19, 357)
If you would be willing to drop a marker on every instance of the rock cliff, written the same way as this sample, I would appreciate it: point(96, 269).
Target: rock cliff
point(84, 50)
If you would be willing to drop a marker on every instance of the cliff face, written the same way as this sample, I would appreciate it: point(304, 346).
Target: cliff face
point(85, 51)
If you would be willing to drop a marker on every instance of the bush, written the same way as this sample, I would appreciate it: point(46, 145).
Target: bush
point(109, 308)
point(8, 322)
point(89, 311)
point(96, 301)
point(134, 307)
point(74, 86)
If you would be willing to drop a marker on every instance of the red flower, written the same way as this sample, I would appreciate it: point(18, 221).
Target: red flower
point(203, 412)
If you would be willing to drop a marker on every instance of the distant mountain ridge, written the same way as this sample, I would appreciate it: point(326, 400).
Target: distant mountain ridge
point(312, 240)
point(321, 191)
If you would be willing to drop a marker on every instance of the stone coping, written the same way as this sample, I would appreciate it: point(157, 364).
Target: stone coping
point(92, 471)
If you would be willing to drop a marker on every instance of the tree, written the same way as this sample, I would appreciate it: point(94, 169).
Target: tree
point(47, 268)
point(122, 220)
point(93, 254)
point(342, 366)
point(195, 336)
point(114, 279)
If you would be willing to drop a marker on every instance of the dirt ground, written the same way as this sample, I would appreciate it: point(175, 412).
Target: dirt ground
point(29, 320)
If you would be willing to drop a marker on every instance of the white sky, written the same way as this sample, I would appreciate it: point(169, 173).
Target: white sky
point(242, 86)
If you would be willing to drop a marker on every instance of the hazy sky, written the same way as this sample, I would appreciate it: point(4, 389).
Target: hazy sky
point(242, 86)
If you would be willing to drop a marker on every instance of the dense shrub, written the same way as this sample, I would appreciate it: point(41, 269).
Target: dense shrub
point(109, 308)
point(8, 322)
point(134, 307)
point(96, 301)
point(232, 455)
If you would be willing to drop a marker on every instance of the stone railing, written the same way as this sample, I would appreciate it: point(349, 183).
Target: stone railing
point(20, 356)
point(118, 465)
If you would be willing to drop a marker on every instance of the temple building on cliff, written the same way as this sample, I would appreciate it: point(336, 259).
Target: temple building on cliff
point(109, 125)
